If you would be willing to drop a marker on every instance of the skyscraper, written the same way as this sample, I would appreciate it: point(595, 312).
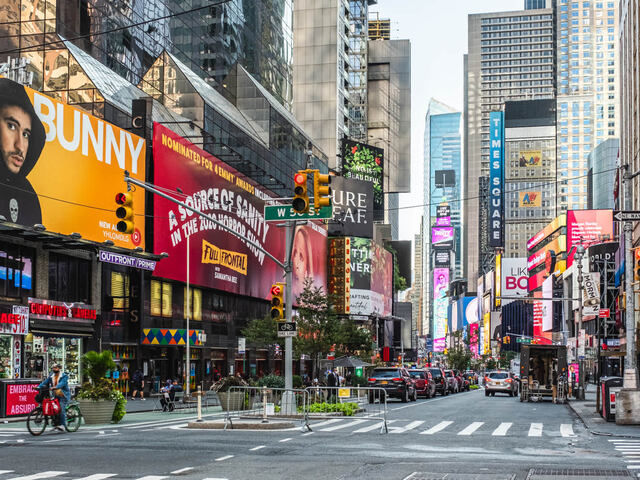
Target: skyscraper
point(537, 4)
point(511, 56)
point(588, 77)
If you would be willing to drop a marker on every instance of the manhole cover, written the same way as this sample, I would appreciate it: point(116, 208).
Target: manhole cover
point(591, 473)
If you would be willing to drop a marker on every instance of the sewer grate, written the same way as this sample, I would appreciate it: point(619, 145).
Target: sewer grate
point(591, 473)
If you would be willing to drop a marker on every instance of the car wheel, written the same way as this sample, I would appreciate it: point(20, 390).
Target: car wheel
point(511, 394)
point(486, 393)
point(446, 392)
point(493, 394)
point(405, 397)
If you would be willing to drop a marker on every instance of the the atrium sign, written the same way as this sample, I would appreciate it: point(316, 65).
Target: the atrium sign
point(496, 156)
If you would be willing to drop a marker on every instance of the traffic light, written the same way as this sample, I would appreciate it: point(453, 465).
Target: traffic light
point(636, 264)
point(124, 212)
point(300, 201)
point(277, 301)
point(321, 190)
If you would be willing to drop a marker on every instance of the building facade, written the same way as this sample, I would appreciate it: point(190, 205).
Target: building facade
point(588, 77)
point(511, 56)
point(529, 171)
point(603, 170)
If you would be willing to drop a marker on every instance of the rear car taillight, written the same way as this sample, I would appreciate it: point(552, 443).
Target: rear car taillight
point(397, 379)
point(508, 380)
point(486, 379)
point(372, 380)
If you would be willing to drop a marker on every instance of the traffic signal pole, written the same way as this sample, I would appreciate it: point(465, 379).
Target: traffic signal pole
point(290, 228)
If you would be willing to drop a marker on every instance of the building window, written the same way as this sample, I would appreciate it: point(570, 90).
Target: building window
point(16, 271)
point(196, 303)
point(120, 289)
point(161, 299)
point(69, 278)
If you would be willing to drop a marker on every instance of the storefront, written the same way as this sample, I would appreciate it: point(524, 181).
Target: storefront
point(14, 323)
point(59, 333)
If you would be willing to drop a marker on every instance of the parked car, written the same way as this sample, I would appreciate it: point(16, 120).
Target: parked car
point(454, 386)
point(463, 384)
point(440, 379)
point(425, 385)
point(395, 381)
point(471, 376)
point(500, 381)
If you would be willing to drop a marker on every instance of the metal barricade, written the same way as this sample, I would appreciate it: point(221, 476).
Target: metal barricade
point(264, 403)
point(352, 402)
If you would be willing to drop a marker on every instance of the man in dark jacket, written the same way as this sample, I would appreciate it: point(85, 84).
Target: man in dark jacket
point(22, 138)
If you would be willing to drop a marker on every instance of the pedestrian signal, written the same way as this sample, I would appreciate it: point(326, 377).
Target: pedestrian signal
point(300, 201)
point(124, 211)
point(277, 301)
point(321, 190)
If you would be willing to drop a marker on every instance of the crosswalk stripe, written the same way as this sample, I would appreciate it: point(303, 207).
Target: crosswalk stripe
point(327, 422)
point(2, 472)
point(342, 425)
point(98, 476)
point(152, 477)
point(375, 426)
point(566, 430)
point(633, 467)
point(471, 428)
point(407, 427)
point(502, 430)
point(226, 457)
point(36, 476)
point(437, 428)
point(535, 430)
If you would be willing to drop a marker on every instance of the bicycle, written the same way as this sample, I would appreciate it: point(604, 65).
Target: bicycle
point(48, 412)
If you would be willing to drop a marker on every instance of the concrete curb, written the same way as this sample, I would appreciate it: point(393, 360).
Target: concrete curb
point(596, 432)
point(241, 426)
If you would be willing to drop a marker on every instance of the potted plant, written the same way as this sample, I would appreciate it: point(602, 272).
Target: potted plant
point(98, 398)
point(229, 400)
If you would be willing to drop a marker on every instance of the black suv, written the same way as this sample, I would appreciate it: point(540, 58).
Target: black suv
point(442, 385)
point(395, 381)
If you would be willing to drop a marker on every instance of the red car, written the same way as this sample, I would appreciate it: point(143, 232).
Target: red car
point(425, 385)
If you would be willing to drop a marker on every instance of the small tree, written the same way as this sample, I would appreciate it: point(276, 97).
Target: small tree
point(459, 356)
point(353, 340)
point(262, 332)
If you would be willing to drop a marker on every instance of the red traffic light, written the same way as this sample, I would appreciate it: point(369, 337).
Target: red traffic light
point(276, 290)
point(122, 198)
point(300, 179)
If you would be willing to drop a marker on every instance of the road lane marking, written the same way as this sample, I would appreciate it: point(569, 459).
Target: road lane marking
point(308, 433)
point(56, 440)
point(182, 470)
point(328, 422)
point(214, 478)
point(286, 439)
point(98, 476)
point(2, 472)
point(342, 425)
point(437, 428)
point(633, 467)
point(471, 428)
point(535, 430)
point(406, 428)
point(502, 429)
point(153, 477)
point(226, 457)
point(566, 430)
point(372, 427)
point(259, 447)
point(36, 476)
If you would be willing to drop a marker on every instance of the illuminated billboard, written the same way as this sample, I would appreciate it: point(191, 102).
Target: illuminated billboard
point(64, 168)
point(440, 301)
point(442, 235)
point(496, 161)
point(587, 227)
point(365, 162)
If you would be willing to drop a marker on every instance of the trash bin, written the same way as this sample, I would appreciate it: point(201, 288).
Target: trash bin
point(609, 386)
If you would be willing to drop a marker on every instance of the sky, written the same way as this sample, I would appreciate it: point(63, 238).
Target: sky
point(438, 33)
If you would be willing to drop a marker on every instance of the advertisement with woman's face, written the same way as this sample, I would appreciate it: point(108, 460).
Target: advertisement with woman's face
point(309, 257)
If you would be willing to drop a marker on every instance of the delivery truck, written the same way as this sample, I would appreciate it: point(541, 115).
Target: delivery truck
point(543, 372)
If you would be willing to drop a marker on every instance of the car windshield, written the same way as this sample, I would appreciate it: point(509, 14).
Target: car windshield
point(417, 374)
point(385, 373)
point(436, 373)
point(499, 375)
point(448, 373)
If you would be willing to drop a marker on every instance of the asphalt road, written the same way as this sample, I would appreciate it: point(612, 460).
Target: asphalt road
point(466, 435)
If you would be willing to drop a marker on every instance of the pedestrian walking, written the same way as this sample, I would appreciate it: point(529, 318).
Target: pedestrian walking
point(137, 385)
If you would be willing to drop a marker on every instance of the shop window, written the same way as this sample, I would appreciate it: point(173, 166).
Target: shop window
point(196, 303)
point(16, 271)
point(69, 278)
point(161, 299)
point(120, 290)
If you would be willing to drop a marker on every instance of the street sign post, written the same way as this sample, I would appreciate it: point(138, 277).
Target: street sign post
point(626, 216)
point(287, 329)
point(286, 212)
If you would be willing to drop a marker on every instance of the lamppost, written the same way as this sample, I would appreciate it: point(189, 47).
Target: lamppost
point(579, 255)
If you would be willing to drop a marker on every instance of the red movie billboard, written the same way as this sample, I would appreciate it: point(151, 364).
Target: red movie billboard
point(217, 258)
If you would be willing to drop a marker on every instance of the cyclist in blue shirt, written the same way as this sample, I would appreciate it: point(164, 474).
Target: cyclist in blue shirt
point(58, 382)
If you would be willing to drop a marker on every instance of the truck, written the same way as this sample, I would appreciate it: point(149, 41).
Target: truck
point(543, 372)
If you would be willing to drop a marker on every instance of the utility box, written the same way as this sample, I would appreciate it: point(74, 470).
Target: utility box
point(609, 386)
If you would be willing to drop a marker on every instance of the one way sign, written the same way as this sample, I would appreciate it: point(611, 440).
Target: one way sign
point(622, 216)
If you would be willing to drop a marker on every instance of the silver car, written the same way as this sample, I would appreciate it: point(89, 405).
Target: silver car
point(500, 381)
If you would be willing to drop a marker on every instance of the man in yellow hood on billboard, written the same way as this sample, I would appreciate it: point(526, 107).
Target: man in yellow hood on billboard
point(22, 138)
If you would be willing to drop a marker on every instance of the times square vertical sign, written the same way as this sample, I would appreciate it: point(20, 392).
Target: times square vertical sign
point(496, 156)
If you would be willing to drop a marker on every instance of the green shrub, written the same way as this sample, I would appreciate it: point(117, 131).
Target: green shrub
point(121, 407)
point(271, 381)
point(297, 381)
point(359, 381)
point(347, 409)
point(474, 387)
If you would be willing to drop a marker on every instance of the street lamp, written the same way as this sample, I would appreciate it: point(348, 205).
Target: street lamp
point(579, 255)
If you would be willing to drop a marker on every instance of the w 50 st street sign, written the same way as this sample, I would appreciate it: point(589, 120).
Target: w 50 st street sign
point(286, 212)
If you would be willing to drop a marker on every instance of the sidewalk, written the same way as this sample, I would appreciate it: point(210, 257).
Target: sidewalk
point(586, 410)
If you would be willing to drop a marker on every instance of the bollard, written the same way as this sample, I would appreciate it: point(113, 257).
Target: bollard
point(264, 405)
point(199, 394)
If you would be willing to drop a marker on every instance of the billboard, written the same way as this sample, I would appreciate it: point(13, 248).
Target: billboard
point(63, 167)
point(442, 258)
point(217, 258)
point(587, 227)
point(364, 162)
point(352, 212)
point(440, 301)
point(530, 158)
point(515, 279)
point(555, 224)
point(442, 236)
point(403, 257)
point(547, 305)
point(530, 199)
point(371, 268)
point(496, 160)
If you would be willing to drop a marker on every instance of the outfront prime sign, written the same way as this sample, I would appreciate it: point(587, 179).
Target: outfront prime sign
point(496, 160)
